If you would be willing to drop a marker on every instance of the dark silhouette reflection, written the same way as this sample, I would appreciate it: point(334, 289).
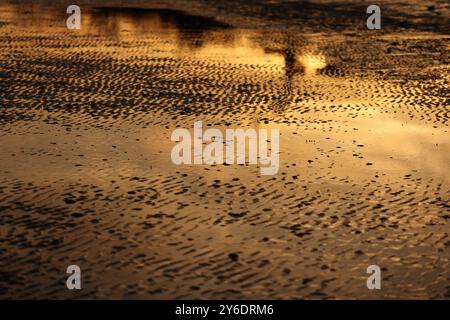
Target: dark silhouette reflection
point(138, 21)
point(290, 52)
point(290, 68)
point(190, 30)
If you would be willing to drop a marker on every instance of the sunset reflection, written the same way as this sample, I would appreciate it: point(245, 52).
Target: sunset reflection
point(88, 177)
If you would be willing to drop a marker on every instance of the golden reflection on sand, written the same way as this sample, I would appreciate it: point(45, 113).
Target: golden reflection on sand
point(312, 62)
point(159, 33)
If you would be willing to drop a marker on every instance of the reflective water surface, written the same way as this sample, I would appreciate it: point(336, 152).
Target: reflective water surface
point(86, 174)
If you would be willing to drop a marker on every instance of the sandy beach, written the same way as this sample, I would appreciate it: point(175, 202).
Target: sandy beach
point(86, 176)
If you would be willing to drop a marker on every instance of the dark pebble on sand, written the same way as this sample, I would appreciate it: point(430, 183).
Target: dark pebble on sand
point(237, 214)
point(69, 200)
point(233, 256)
point(147, 225)
point(77, 215)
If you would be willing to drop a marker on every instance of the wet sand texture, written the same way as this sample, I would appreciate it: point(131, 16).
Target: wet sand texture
point(86, 176)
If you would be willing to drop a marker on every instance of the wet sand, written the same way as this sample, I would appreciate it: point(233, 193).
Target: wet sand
point(86, 176)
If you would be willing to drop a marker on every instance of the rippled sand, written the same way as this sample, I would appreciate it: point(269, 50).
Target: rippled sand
point(86, 176)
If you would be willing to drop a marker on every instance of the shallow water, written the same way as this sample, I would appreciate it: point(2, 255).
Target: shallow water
point(86, 175)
